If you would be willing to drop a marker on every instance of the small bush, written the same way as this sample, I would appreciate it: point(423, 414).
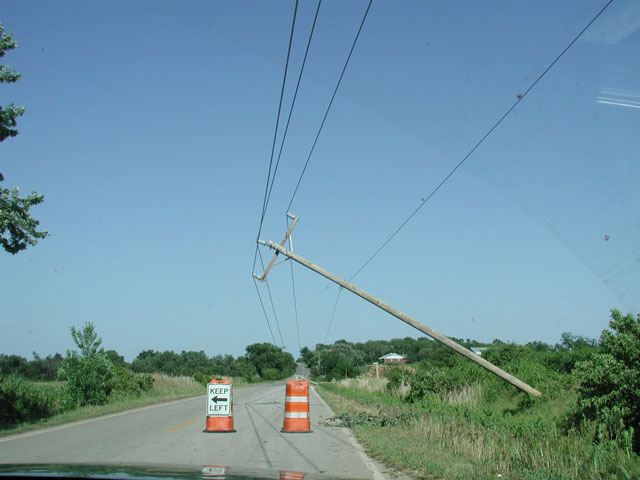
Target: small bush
point(609, 391)
point(271, 374)
point(126, 383)
point(396, 377)
point(21, 401)
point(89, 373)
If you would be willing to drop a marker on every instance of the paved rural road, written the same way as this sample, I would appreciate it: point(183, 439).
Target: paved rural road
point(172, 434)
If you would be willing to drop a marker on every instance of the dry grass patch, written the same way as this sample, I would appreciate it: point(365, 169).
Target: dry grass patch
point(366, 384)
point(166, 384)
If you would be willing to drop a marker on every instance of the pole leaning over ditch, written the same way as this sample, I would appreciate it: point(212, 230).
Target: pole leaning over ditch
point(408, 320)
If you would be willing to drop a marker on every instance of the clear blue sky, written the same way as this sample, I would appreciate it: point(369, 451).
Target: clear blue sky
point(149, 127)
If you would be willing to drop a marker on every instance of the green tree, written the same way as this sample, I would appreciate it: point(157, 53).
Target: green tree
point(267, 358)
point(17, 226)
point(116, 359)
point(88, 373)
point(609, 390)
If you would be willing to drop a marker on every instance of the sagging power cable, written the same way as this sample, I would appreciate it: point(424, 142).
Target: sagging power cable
point(346, 63)
point(273, 307)
point(469, 153)
point(295, 96)
point(275, 133)
point(266, 191)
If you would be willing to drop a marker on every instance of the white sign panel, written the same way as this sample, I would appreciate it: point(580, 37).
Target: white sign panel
point(219, 400)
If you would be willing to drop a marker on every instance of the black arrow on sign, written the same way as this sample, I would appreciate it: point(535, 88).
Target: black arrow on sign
point(217, 399)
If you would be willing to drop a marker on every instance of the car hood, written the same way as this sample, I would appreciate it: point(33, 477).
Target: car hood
point(155, 471)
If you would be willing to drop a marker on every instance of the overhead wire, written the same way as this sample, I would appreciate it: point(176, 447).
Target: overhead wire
point(275, 133)
point(295, 96)
point(333, 314)
point(295, 305)
point(344, 68)
point(271, 178)
point(266, 192)
point(264, 311)
point(293, 287)
point(273, 307)
point(469, 153)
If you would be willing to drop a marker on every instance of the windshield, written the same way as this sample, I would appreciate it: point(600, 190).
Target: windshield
point(474, 165)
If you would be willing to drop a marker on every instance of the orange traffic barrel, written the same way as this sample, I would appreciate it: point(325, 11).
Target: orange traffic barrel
point(289, 475)
point(219, 406)
point(296, 407)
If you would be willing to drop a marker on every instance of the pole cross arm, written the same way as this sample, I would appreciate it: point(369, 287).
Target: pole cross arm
point(294, 220)
point(408, 320)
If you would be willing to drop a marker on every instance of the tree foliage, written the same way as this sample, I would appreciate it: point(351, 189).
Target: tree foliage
point(610, 380)
point(88, 373)
point(271, 362)
point(191, 363)
point(21, 401)
point(37, 369)
point(18, 229)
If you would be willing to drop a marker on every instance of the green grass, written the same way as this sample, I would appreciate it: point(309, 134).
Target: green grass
point(472, 433)
point(165, 389)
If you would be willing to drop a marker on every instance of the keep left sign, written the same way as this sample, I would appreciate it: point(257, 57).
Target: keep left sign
point(219, 400)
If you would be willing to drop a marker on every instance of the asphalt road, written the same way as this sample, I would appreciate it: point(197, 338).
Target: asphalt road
point(173, 434)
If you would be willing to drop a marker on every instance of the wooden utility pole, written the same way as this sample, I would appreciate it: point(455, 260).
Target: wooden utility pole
point(402, 316)
point(284, 240)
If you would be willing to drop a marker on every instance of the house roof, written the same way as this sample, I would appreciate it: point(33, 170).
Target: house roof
point(478, 349)
point(392, 355)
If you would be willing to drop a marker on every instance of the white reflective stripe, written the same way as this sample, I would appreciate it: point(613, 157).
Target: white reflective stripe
point(296, 399)
point(214, 470)
point(296, 414)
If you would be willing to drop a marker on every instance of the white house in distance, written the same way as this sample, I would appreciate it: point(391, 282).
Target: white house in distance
point(393, 358)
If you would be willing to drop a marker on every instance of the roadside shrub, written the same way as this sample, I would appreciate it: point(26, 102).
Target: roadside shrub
point(609, 391)
point(503, 354)
point(342, 369)
point(429, 379)
point(127, 383)
point(271, 374)
point(88, 374)
point(396, 376)
point(21, 401)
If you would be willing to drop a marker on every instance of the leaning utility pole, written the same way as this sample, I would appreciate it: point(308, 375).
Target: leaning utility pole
point(279, 248)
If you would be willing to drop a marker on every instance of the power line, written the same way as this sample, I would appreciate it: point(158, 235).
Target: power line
point(275, 133)
point(264, 311)
point(464, 159)
point(295, 305)
point(353, 46)
point(295, 96)
point(266, 190)
point(273, 308)
point(333, 314)
point(475, 147)
point(293, 285)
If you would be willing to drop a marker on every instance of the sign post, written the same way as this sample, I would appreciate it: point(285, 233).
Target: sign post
point(219, 407)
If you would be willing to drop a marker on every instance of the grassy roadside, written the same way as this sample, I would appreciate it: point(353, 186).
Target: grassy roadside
point(460, 436)
point(165, 389)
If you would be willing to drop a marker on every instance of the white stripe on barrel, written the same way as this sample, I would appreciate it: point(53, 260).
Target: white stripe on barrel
point(296, 399)
point(296, 414)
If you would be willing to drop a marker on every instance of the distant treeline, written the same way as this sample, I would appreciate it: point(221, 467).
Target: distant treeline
point(265, 361)
point(345, 359)
point(261, 361)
